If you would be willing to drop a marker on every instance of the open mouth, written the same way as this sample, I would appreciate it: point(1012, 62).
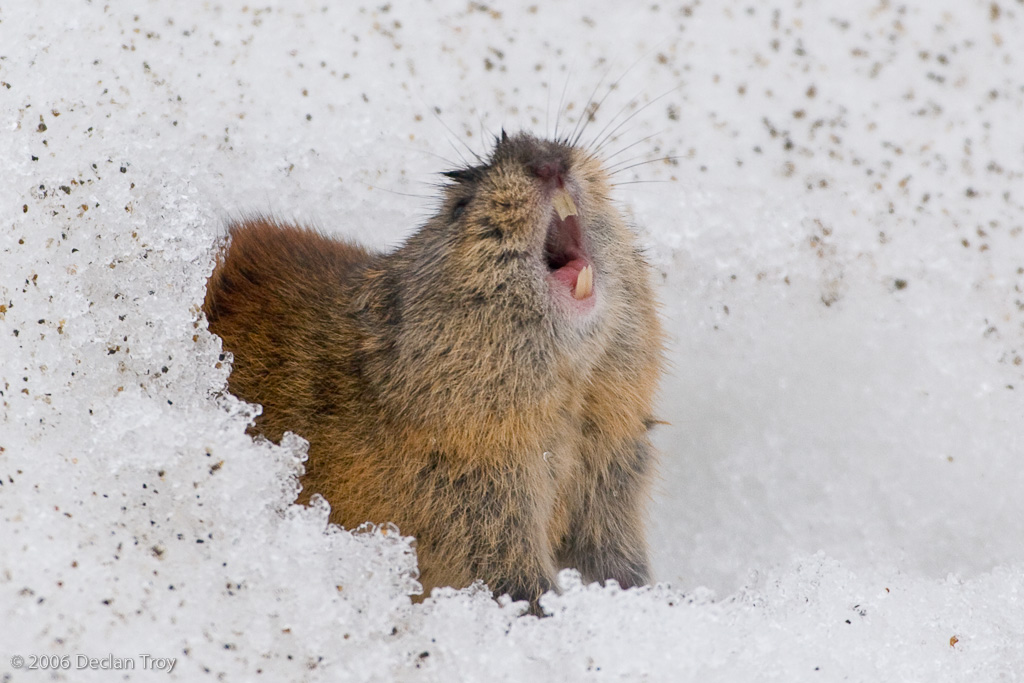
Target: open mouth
point(567, 262)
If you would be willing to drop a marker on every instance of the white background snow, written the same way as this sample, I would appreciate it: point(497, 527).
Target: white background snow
point(839, 253)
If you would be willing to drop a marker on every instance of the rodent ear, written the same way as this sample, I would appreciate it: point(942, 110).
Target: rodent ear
point(504, 135)
point(465, 175)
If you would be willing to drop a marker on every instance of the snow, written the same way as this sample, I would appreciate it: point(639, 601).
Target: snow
point(839, 253)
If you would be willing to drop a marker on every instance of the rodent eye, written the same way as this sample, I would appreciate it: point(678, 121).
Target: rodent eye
point(459, 208)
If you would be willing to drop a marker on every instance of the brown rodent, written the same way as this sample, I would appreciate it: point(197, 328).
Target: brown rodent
point(487, 386)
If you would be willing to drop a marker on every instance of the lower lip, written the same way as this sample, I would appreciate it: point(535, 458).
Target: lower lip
point(562, 283)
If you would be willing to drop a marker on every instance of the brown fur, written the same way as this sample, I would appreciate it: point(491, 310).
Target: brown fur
point(440, 389)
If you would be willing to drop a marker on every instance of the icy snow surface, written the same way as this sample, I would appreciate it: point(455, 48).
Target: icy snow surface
point(839, 252)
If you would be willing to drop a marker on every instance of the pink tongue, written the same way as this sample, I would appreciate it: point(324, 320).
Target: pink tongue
point(568, 273)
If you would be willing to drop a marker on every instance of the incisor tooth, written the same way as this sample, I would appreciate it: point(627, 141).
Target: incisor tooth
point(584, 283)
point(564, 204)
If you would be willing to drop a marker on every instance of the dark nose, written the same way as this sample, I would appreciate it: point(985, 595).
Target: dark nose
point(549, 162)
point(548, 170)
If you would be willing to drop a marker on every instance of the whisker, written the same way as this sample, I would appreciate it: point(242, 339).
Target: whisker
point(485, 132)
point(600, 142)
point(643, 163)
point(639, 182)
point(547, 112)
point(615, 136)
point(584, 113)
point(440, 157)
point(462, 157)
point(632, 144)
point(436, 113)
point(403, 194)
point(561, 101)
point(459, 139)
point(623, 165)
point(587, 116)
point(623, 108)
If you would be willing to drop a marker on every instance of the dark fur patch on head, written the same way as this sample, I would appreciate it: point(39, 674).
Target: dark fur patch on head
point(467, 175)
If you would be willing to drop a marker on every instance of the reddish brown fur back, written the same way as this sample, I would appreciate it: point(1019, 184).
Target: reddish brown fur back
point(269, 261)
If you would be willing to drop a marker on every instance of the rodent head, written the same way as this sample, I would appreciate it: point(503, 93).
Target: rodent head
point(524, 281)
point(537, 210)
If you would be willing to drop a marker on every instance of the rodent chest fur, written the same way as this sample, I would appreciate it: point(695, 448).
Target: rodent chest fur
point(487, 386)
